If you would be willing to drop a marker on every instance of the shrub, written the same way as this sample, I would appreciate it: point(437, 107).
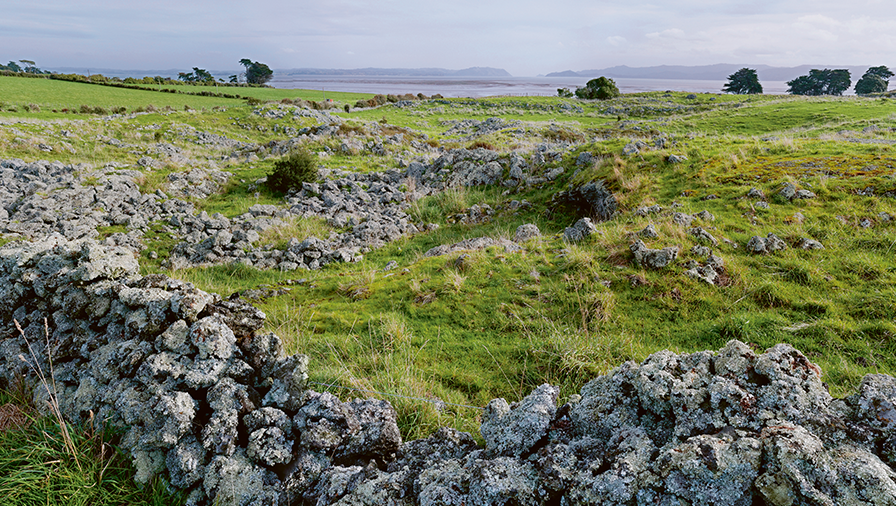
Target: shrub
point(601, 88)
point(292, 170)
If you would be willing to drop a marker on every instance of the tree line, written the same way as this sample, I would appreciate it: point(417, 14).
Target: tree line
point(256, 74)
point(27, 67)
point(816, 82)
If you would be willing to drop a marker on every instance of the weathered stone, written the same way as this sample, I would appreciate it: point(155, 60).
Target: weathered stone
point(653, 258)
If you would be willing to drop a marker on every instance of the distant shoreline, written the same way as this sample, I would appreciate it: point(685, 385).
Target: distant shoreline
point(474, 87)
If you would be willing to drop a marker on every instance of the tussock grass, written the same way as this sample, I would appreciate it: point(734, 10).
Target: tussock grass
point(295, 227)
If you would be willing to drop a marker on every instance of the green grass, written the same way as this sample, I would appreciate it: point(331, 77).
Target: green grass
point(36, 467)
point(498, 324)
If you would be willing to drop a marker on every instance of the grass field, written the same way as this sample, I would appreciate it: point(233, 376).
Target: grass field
point(562, 313)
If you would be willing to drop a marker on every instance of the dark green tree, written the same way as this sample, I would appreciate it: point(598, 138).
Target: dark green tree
point(30, 67)
point(601, 88)
point(564, 93)
point(197, 76)
point(820, 82)
point(875, 80)
point(743, 82)
point(256, 73)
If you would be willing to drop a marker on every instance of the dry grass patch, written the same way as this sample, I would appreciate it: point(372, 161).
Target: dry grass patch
point(13, 417)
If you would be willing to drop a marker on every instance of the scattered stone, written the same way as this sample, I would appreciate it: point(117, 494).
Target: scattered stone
point(806, 243)
point(755, 193)
point(584, 159)
point(649, 232)
point(682, 219)
point(526, 232)
point(475, 244)
point(653, 258)
point(768, 244)
point(674, 159)
point(581, 230)
point(645, 211)
point(699, 234)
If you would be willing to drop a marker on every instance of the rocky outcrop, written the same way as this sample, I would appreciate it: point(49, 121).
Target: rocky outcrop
point(211, 404)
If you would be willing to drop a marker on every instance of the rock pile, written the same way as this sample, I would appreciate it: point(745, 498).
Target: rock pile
point(213, 406)
point(365, 210)
point(40, 198)
point(206, 400)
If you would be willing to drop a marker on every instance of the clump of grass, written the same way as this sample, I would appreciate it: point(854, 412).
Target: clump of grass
point(454, 281)
point(358, 286)
point(434, 209)
point(40, 463)
point(44, 457)
point(295, 227)
point(394, 330)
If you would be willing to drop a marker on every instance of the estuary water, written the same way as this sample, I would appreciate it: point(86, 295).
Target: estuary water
point(493, 86)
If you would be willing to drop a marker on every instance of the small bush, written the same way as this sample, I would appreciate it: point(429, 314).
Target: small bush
point(293, 170)
point(34, 107)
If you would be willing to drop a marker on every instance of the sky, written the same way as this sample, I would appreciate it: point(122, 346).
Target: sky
point(524, 37)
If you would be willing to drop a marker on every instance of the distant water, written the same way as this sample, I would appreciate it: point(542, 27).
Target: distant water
point(493, 86)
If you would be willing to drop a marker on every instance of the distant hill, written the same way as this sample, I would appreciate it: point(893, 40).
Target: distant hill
point(224, 74)
point(394, 72)
point(718, 72)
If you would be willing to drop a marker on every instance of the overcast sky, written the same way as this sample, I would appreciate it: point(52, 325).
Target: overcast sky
point(524, 37)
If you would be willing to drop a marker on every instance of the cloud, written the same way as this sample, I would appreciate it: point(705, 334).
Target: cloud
point(671, 33)
point(526, 37)
point(616, 41)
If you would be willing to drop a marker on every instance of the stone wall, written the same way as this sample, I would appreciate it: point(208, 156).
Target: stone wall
point(213, 406)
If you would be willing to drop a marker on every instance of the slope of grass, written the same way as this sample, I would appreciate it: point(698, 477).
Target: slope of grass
point(450, 333)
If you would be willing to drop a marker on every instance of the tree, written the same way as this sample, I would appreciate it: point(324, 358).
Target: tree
point(256, 73)
point(601, 88)
point(564, 93)
point(197, 76)
point(875, 80)
point(820, 82)
point(30, 67)
point(743, 82)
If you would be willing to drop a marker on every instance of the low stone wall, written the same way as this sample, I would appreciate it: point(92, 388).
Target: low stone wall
point(214, 407)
